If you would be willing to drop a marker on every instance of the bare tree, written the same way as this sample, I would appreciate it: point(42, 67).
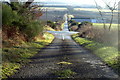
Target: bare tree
point(26, 8)
point(100, 12)
point(26, 5)
point(112, 9)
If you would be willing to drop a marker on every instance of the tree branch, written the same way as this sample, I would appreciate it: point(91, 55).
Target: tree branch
point(27, 4)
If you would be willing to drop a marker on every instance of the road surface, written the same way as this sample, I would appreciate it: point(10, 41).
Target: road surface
point(83, 62)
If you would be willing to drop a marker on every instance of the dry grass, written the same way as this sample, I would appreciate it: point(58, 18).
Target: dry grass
point(106, 37)
point(99, 34)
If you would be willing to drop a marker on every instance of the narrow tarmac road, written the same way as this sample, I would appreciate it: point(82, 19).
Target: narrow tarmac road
point(86, 65)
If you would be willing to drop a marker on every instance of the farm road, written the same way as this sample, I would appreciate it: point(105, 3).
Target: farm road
point(83, 62)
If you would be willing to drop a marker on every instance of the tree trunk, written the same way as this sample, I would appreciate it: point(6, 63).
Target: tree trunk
point(27, 4)
point(111, 21)
point(104, 25)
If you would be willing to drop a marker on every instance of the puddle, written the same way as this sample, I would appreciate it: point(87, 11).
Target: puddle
point(63, 62)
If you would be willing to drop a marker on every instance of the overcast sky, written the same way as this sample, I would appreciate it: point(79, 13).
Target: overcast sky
point(80, 2)
point(77, 2)
point(72, 2)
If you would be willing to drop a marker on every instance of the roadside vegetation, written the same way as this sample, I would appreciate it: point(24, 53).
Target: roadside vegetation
point(108, 54)
point(55, 25)
point(23, 35)
point(103, 43)
point(96, 32)
point(16, 56)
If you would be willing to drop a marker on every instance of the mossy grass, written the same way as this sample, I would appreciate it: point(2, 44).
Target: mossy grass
point(108, 54)
point(16, 56)
point(62, 74)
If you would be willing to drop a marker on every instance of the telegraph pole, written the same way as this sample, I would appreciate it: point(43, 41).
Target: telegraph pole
point(46, 16)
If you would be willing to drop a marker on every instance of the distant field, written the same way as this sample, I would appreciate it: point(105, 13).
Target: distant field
point(92, 9)
point(77, 9)
point(55, 8)
point(54, 12)
point(100, 25)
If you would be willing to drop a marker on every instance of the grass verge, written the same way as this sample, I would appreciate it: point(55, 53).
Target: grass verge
point(108, 54)
point(16, 56)
point(62, 74)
